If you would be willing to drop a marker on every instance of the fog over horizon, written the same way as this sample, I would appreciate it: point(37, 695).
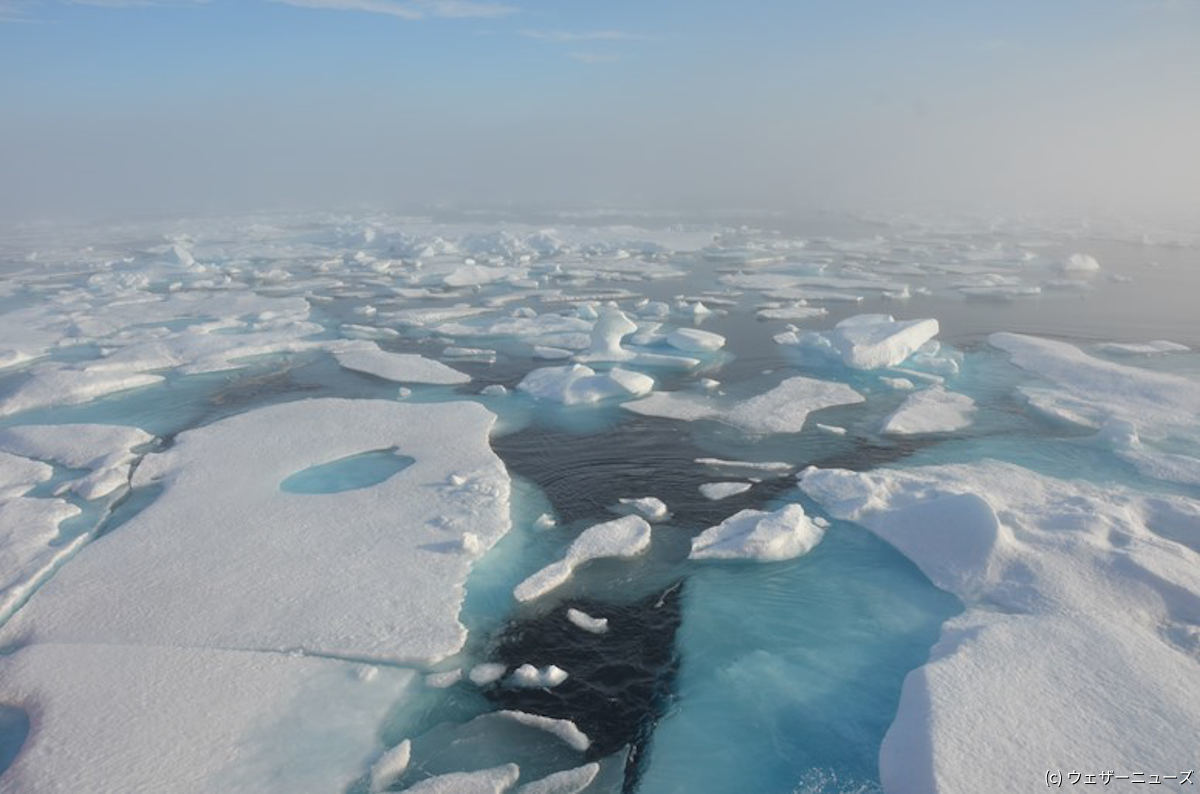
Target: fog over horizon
point(116, 108)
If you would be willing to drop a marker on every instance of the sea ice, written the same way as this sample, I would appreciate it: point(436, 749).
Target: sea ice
point(867, 341)
point(229, 559)
point(105, 450)
point(495, 780)
point(390, 766)
point(583, 620)
point(120, 718)
point(565, 730)
point(569, 781)
point(693, 340)
point(722, 490)
point(628, 536)
point(931, 410)
point(1156, 347)
point(486, 673)
point(399, 367)
point(1080, 601)
point(529, 677)
point(759, 535)
point(648, 507)
point(575, 384)
point(783, 409)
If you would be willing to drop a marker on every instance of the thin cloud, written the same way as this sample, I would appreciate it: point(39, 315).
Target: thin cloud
point(415, 9)
point(594, 57)
point(566, 36)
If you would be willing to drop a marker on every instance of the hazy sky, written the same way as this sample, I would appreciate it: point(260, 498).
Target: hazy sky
point(111, 106)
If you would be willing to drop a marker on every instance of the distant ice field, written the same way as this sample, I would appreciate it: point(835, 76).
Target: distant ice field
point(366, 502)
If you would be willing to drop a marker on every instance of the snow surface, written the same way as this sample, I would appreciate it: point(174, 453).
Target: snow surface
point(931, 410)
point(1080, 635)
point(759, 535)
point(628, 536)
point(230, 560)
point(127, 718)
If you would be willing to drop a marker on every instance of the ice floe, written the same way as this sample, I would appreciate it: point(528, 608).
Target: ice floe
point(867, 341)
point(783, 409)
point(1080, 626)
point(931, 410)
point(628, 536)
point(568, 781)
point(759, 535)
point(575, 384)
point(390, 766)
point(105, 450)
point(723, 490)
point(529, 677)
point(116, 717)
point(494, 780)
point(648, 507)
point(583, 620)
point(243, 570)
point(399, 367)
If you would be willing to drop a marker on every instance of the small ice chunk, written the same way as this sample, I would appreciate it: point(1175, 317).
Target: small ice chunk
point(611, 327)
point(722, 490)
point(444, 680)
point(565, 730)
point(833, 430)
point(899, 384)
point(548, 353)
point(529, 677)
point(586, 622)
point(495, 780)
point(931, 410)
point(486, 673)
point(773, 467)
point(544, 521)
point(476, 354)
point(758, 535)
point(621, 538)
point(494, 390)
point(693, 340)
point(390, 766)
point(1156, 347)
point(1079, 263)
point(648, 507)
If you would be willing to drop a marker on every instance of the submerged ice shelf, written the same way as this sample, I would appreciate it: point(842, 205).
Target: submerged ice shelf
point(268, 461)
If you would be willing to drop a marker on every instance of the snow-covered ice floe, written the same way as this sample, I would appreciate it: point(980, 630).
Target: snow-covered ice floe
point(783, 409)
point(576, 384)
point(229, 559)
point(118, 717)
point(759, 535)
point(1081, 633)
point(399, 367)
point(931, 410)
point(628, 536)
point(866, 341)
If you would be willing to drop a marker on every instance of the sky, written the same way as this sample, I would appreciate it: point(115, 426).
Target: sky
point(109, 107)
